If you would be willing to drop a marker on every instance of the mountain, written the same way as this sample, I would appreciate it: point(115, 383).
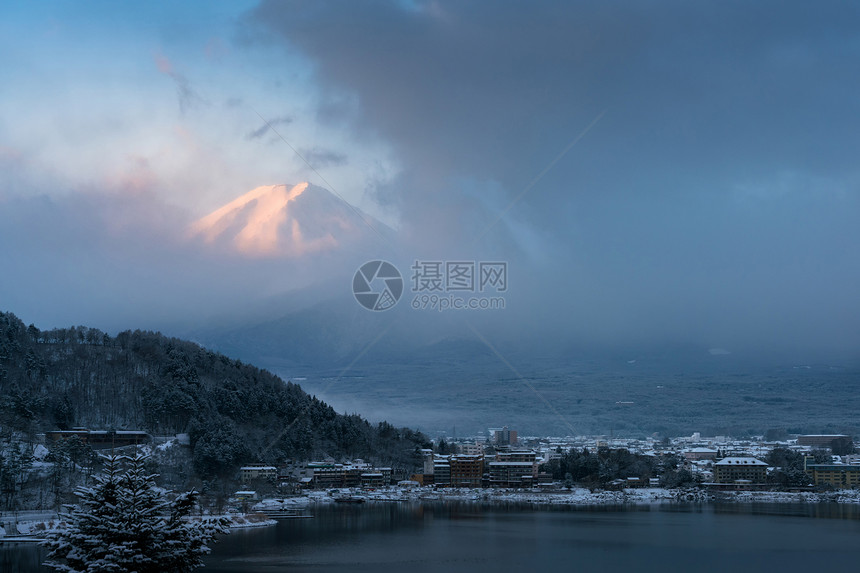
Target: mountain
point(234, 413)
point(287, 221)
point(332, 332)
point(320, 239)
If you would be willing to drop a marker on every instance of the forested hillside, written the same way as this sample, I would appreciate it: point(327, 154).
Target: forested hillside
point(234, 413)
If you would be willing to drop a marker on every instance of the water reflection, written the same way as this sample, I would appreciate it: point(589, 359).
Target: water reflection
point(463, 536)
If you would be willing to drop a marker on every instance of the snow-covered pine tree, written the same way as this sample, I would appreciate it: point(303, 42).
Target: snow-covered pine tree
point(124, 523)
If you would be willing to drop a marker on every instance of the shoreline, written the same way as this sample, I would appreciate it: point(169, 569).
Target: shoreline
point(577, 497)
point(237, 521)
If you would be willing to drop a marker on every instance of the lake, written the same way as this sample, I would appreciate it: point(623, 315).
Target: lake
point(461, 537)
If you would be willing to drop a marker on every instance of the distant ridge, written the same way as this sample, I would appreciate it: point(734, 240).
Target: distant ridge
point(234, 413)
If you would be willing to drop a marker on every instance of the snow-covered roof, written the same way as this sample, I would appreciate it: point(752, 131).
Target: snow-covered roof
point(740, 462)
point(106, 432)
point(834, 467)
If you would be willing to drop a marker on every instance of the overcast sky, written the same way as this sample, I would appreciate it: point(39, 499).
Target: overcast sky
point(668, 171)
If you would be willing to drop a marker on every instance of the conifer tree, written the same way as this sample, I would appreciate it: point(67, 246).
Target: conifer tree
point(124, 523)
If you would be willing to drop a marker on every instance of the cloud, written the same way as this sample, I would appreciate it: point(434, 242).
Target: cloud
point(9, 154)
point(320, 158)
point(186, 94)
point(494, 93)
point(121, 258)
point(264, 129)
point(136, 176)
point(673, 219)
point(712, 202)
point(164, 66)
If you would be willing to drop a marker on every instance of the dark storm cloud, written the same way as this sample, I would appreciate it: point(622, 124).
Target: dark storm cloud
point(496, 90)
point(712, 202)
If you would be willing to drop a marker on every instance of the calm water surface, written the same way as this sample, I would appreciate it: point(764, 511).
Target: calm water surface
point(458, 537)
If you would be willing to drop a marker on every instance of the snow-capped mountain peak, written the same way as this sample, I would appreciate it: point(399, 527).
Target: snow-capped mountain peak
point(282, 220)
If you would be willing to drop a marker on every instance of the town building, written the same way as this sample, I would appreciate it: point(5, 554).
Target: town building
point(743, 470)
point(373, 480)
point(697, 454)
point(472, 449)
point(292, 471)
point(441, 470)
point(466, 470)
point(248, 474)
point(513, 468)
point(101, 439)
point(429, 460)
point(824, 440)
point(503, 436)
point(330, 474)
point(516, 456)
point(512, 474)
point(294, 475)
point(838, 475)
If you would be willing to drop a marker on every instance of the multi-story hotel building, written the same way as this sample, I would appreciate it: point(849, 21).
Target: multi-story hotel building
point(838, 475)
point(514, 468)
point(733, 470)
point(466, 470)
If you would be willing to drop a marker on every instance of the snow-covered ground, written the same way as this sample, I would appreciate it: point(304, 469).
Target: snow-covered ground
point(27, 530)
point(243, 521)
point(576, 496)
point(31, 530)
point(841, 496)
point(34, 530)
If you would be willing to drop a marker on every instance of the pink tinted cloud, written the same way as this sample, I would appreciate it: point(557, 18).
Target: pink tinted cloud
point(215, 48)
point(188, 97)
point(10, 154)
point(164, 65)
point(136, 177)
